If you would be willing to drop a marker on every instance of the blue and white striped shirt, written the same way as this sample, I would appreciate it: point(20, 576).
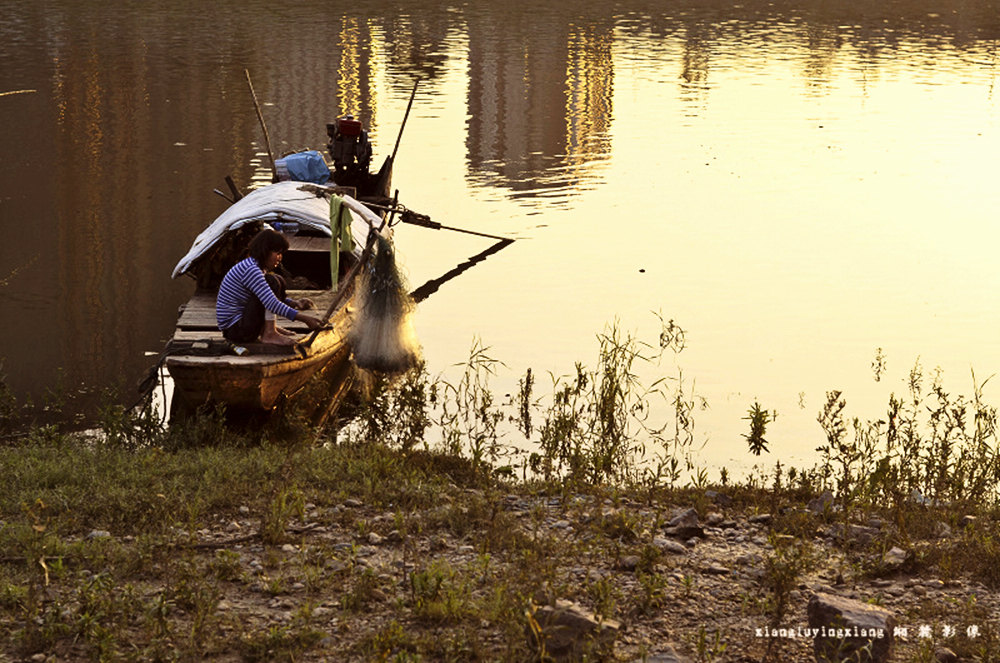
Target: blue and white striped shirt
point(243, 281)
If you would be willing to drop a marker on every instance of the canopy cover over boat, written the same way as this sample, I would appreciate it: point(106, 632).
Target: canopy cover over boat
point(285, 202)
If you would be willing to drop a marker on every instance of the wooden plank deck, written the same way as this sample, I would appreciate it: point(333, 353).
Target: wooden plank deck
point(199, 313)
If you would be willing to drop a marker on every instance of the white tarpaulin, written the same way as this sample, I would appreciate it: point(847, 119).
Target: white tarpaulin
point(282, 201)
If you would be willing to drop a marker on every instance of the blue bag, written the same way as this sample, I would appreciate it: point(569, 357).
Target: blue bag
point(304, 167)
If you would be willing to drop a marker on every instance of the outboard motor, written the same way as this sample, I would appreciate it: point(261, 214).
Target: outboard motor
point(350, 150)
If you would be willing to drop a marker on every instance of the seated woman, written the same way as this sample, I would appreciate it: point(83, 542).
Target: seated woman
point(250, 295)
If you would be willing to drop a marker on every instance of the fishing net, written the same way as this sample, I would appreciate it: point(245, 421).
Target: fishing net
point(382, 335)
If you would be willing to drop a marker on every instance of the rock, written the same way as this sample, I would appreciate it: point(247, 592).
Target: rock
point(629, 563)
point(822, 503)
point(714, 519)
point(968, 521)
point(851, 630)
point(353, 503)
point(719, 498)
point(941, 530)
point(945, 655)
point(667, 655)
point(569, 631)
point(894, 558)
point(375, 538)
point(687, 518)
point(716, 570)
point(859, 533)
point(670, 546)
point(98, 534)
point(289, 548)
point(761, 519)
point(684, 525)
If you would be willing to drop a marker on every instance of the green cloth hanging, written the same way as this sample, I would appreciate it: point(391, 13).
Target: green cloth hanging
point(340, 234)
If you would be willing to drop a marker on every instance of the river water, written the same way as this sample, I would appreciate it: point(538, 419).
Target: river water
point(802, 186)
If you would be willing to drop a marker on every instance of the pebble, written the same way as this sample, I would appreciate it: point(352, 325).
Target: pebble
point(670, 546)
point(629, 563)
point(717, 570)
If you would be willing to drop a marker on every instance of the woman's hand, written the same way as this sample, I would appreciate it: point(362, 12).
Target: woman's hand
point(310, 321)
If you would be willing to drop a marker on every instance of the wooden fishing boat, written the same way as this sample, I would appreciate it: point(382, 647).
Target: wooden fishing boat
point(255, 377)
point(206, 368)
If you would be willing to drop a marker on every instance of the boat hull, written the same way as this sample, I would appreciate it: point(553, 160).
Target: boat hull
point(261, 377)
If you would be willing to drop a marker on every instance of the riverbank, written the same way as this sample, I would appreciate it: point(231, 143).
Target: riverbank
point(267, 552)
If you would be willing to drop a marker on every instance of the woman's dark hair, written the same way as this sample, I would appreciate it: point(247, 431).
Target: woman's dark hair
point(264, 242)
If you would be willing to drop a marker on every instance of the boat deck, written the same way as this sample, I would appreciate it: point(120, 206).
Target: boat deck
point(196, 322)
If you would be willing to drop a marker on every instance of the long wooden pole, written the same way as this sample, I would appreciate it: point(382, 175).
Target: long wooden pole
point(260, 116)
point(405, 115)
point(348, 282)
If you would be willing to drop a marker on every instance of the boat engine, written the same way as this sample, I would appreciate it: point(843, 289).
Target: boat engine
point(349, 148)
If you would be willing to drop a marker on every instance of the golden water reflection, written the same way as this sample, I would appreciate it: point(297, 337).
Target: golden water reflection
point(796, 183)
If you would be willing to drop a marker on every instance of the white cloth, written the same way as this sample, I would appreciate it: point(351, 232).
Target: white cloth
point(282, 201)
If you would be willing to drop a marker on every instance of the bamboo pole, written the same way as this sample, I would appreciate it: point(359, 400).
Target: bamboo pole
point(260, 116)
point(405, 116)
point(343, 291)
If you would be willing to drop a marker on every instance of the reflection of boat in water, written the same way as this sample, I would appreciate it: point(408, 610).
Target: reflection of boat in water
point(205, 367)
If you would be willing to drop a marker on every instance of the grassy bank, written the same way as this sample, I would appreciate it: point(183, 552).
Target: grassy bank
point(196, 542)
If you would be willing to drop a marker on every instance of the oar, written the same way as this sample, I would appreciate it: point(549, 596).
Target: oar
point(260, 116)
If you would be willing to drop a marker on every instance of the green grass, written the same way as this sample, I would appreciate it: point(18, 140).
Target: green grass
point(105, 557)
